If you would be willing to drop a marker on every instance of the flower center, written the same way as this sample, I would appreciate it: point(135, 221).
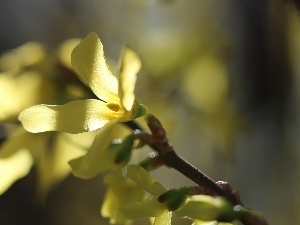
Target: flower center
point(114, 107)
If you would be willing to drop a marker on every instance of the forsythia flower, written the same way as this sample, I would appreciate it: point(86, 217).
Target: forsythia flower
point(196, 208)
point(149, 207)
point(121, 191)
point(116, 100)
point(24, 82)
point(101, 156)
point(14, 152)
point(22, 149)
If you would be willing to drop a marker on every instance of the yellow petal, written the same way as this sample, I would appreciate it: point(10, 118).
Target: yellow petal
point(121, 191)
point(143, 178)
point(201, 222)
point(21, 139)
point(13, 168)
point(19, 92)
point(215, 222)
point(53, 166)
point(163, 219)
point(204, 207)
point(150, 207)
point(27, 54)
point(89, 63)
point(73, 117)
point(17, 154)
point(130, 65)
point(97, 159)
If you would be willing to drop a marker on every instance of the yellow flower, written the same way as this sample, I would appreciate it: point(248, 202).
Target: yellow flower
point(116, 99)
point(206, 208)
point(149, 207)
point(101, 156)
point(15, 160)
point(26, 55)
point(24, 82)
point(121, 191)
point(126, 198)
point(47, 152)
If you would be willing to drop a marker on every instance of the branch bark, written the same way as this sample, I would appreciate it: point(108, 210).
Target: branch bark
point(159, 142)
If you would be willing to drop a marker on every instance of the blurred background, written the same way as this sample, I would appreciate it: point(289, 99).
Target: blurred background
point(222, 76)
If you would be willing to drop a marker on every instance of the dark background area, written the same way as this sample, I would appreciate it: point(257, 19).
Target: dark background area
point(260, 43)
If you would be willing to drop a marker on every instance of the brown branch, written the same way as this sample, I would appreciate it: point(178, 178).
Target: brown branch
point(159, 142)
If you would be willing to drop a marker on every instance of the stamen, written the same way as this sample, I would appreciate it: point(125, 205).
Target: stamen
point(113, 107)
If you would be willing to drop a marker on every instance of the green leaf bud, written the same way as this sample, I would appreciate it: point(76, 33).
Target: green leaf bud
point(174, 198)
point(123, 148)
point(139, 110)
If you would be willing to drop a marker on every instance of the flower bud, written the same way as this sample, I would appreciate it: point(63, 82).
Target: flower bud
point(139, 110)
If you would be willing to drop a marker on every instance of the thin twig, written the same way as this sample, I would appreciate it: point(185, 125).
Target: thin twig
point(159, 142)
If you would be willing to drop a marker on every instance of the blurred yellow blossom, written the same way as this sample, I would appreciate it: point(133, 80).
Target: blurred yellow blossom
point(207, 83)
point(10, 171)
point(21, 91)
point(26, 55)
point(207, 88)
point(49, 153)
point(64, 51)
point(52, 163)
point(17, 155)
point(28, 76)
